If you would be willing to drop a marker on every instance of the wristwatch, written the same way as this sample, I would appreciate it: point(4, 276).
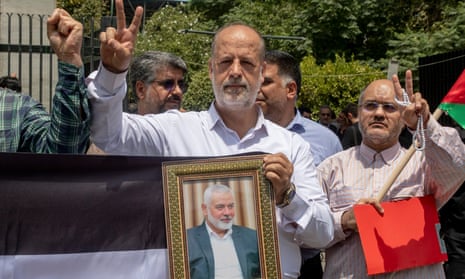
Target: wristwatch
point(288, 196)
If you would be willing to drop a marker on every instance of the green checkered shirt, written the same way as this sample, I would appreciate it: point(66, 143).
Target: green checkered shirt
point(25, 125)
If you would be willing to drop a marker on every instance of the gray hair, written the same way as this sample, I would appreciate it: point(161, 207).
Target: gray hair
point(215, 188)
point(146, 66)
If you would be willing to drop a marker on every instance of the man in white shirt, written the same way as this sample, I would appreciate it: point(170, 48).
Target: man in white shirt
point(217, 248)
point(232, 125)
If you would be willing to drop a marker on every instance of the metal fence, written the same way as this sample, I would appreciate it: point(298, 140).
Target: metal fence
point(25, 50)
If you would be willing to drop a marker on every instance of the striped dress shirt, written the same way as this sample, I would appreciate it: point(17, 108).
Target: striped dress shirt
point(360, 172)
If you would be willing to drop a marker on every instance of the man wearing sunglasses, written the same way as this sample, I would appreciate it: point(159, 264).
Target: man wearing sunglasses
point(232, 125)
point(157, 80)
point(356, 175)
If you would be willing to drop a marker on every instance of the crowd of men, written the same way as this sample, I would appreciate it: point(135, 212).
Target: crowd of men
point(315, 179)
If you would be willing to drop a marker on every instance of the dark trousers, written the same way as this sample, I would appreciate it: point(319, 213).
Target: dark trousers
point(455, 266)
point(311, 268)
point(455, 269)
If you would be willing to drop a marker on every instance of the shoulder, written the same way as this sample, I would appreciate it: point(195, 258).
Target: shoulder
point(318, 134)
point(17, 100)
point(337, 159)
point(245, 230)
point(195, 230)
point(281, 133)
point(322, 130)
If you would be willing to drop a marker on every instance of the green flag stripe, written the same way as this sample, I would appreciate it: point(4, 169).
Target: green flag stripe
point(456, 111)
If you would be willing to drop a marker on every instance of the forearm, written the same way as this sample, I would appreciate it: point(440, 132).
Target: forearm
point(69, 128)
point(445, 155)
point(106, 93)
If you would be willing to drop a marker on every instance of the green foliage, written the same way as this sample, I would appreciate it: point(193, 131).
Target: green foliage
point(163, 32)
point(200, 93)
point(369, 31)
point(213, 9)
point(446, 35)
point(334, 83)
point(268, 19)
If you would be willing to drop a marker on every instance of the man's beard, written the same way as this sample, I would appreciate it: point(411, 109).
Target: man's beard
point(217, 223)
point(235, 97)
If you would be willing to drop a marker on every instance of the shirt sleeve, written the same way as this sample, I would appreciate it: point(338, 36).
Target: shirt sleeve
point(106, 93)
point(66, 130)
point(308, 216)
point(445, 156)
point(325, 179)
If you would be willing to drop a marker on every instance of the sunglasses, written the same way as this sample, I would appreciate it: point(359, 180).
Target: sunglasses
point(373, 106)
point(170, 84)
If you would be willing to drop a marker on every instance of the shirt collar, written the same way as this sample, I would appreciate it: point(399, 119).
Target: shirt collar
point(296, 123)
point(211, 233)
point(387, 155)
point(215, 119)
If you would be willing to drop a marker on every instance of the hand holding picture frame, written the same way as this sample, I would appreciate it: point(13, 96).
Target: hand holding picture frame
point(184, 183)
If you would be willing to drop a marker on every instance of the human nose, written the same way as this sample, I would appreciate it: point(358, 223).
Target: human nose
point(236, 69)
point(177, 90)
point(228, 211)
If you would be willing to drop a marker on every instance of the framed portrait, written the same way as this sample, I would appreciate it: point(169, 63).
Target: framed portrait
point(247, 205)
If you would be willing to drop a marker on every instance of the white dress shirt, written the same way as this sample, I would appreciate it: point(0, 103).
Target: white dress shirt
point(307, 220)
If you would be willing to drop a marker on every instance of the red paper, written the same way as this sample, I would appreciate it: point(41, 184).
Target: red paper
point(406, 236)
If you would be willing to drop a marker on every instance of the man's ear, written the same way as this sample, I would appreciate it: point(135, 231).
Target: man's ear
point(291, 90)
point(140, 89)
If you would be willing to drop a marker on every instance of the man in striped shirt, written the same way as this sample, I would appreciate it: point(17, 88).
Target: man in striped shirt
point(25, 125)
point(356, 175)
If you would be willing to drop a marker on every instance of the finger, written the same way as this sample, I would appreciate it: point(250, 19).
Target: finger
point(136, 20)
point(409, 83)
point(103, 37)
point(418, 101)
point(110, 33)
point(397, 86)
point(120, 16)
point(54, 17)
point(65, 25)
point(52, 22)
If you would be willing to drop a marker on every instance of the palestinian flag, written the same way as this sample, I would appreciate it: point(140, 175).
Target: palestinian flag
point(454, 102)
point(81, 216)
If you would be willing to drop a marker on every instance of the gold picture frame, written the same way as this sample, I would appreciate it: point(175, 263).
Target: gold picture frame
point(243, 174)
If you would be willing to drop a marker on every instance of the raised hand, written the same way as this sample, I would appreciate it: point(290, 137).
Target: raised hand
point(418, 105)
point(65, 35)
point(117, 45)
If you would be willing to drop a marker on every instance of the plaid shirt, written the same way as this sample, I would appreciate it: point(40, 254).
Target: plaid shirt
point(25, 125)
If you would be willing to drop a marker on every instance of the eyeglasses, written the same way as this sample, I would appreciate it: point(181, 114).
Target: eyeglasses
point(372, 106)
point(170, 84)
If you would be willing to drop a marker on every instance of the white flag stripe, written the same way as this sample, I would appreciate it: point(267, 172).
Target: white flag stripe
point(139, 264)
